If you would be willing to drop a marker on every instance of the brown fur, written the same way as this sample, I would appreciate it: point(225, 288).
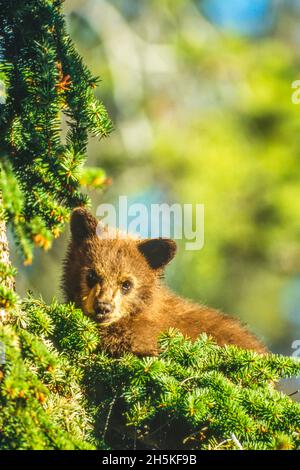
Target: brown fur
point(137, 317)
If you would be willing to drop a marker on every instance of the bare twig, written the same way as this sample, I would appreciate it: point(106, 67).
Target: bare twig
point(109, 414)
point(235, 440)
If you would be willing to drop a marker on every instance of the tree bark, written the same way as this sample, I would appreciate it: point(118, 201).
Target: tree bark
point(8, 282)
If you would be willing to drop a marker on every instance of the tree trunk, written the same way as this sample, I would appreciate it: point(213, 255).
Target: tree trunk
point(7, 282)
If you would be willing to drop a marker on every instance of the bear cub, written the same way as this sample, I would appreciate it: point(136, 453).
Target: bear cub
point(117, 282)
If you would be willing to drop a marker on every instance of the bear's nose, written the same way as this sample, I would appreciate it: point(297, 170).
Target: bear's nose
point(102, 308)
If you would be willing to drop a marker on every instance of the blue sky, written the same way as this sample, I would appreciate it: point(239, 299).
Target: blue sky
point(246, 17)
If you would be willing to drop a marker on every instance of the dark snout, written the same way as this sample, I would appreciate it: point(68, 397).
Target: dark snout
point(102, 309)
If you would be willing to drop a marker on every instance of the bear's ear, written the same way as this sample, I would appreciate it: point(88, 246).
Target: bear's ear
point(83, 224)
point(158, 251)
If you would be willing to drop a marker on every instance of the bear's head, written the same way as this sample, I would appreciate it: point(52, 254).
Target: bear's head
point(111, 276)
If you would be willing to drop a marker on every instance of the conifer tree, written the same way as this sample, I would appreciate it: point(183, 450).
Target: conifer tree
point(44, 79)
point(58, 389)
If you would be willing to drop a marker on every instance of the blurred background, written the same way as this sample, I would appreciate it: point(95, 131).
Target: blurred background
point(200, 93)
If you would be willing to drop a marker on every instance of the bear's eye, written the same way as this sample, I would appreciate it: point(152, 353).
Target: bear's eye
point(126, 286)
point(92, 278)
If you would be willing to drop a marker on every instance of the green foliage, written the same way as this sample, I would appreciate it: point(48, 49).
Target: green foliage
point(93, 178)
point(59, 390)
point(44, 78)
point(8, 298)
point(34, 412)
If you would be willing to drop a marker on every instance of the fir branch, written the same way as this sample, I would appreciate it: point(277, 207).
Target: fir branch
point(44, 78)
point(192, 396)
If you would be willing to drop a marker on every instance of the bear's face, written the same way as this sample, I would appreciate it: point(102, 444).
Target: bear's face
point(118, 277)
